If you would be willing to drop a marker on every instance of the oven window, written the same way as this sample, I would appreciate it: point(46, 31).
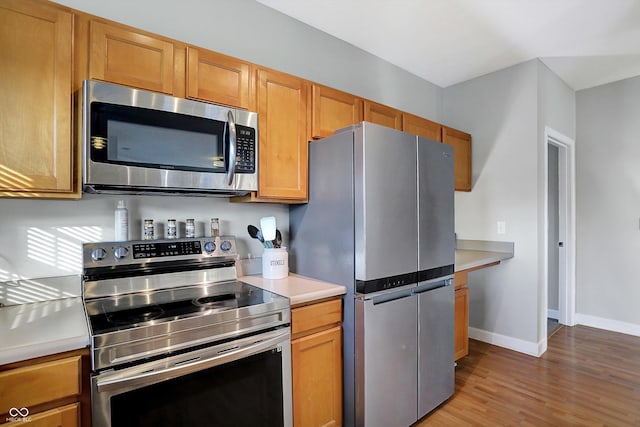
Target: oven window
point(151, 138)
point(247, 392)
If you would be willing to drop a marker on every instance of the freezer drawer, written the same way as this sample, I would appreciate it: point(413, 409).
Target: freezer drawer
point(436, 376)
point(386, 380)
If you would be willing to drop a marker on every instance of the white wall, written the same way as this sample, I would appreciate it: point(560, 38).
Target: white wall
point(608, 205)
point(500, 111)
point(506, 113)
point(556, 110)
point(251, 31)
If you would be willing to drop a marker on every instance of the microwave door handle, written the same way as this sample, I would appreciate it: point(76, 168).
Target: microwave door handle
point(232, 147)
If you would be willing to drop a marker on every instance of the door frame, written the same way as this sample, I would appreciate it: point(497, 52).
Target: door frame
point(567, 226)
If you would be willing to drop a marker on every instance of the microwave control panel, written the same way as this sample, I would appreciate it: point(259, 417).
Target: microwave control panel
point(245, 149)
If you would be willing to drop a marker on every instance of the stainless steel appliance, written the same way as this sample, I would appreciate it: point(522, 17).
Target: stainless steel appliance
point(380, 222)
point(176, 339)
point(135, 141)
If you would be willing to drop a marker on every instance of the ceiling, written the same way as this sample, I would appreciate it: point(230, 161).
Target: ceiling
point(586, 42)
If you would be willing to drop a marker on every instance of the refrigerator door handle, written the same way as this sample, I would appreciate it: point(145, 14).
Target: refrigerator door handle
point(381, 299)
point(433, 284)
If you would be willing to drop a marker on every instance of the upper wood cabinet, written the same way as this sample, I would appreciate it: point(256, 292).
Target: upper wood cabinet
point(131, 57)
point(461, 143)
point(217, 78)
point(281, 101)
point(382, 115)
point(36, 146)
point(422, 127)
point(332, 109)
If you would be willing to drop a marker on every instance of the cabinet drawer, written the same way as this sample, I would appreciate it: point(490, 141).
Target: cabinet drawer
point(315, 316)
point(40, 383)
point(65, 416)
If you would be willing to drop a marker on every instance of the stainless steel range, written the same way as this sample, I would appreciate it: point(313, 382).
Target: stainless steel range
point(176, 339)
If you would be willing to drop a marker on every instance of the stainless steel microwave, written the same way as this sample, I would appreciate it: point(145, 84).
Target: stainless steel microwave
point(136, 141)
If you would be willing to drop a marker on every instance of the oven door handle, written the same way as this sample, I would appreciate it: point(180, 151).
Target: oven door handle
point(190, 363)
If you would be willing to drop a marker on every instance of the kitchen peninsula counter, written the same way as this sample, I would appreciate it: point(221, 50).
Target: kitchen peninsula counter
point(475, 254)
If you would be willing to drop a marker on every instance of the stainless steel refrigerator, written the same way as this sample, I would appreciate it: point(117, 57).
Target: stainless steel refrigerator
point(380, 221)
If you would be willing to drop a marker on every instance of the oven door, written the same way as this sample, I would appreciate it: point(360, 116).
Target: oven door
point(244, 382)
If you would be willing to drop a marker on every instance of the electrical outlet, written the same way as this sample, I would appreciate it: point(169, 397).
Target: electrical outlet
point(502, 227)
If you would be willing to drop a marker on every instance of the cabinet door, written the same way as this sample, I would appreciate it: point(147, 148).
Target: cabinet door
point(36, 148)
point(461, 143)
point(317, 379)
point(461, 322)
point(217, 78)
point(40, 383)
point(333, 110)
point(131, 58)
point(422, 127)
point(65, 416)
point(283, 147)
point(382, 115)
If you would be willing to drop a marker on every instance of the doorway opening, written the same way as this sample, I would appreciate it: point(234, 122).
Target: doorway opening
point(559, 231)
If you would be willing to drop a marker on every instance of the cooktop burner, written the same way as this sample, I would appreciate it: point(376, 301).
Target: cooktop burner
point(134, 315)
point(117, 313)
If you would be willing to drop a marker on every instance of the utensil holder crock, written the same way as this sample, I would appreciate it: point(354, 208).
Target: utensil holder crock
point(275, 263)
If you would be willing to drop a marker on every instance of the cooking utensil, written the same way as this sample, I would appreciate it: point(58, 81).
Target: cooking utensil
point(268, 227)
point(277, 243)
point(255, 233)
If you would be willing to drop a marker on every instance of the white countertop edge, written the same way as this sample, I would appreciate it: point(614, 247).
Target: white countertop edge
point(480, 258)
point(46, 348)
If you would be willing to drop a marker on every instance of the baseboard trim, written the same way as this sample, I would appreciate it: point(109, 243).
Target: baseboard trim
point(516, 344)
point(553, 314)
point(608, 324)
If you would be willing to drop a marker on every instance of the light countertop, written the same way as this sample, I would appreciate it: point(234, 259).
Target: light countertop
point(298, 289)
point(42, 328)
point(472, 254)
point(48, 327)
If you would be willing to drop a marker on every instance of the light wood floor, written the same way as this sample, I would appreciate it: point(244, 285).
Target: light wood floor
point(587, 377)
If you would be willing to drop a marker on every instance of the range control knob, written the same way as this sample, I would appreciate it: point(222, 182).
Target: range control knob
point(225, 245)
point(120, 252)
point(209, 247)
point(98, 254)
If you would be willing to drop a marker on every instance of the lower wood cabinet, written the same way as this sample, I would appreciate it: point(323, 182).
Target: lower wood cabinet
point(461, 317)
point(316, 353)
point(65, 416)
point(47, 391)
